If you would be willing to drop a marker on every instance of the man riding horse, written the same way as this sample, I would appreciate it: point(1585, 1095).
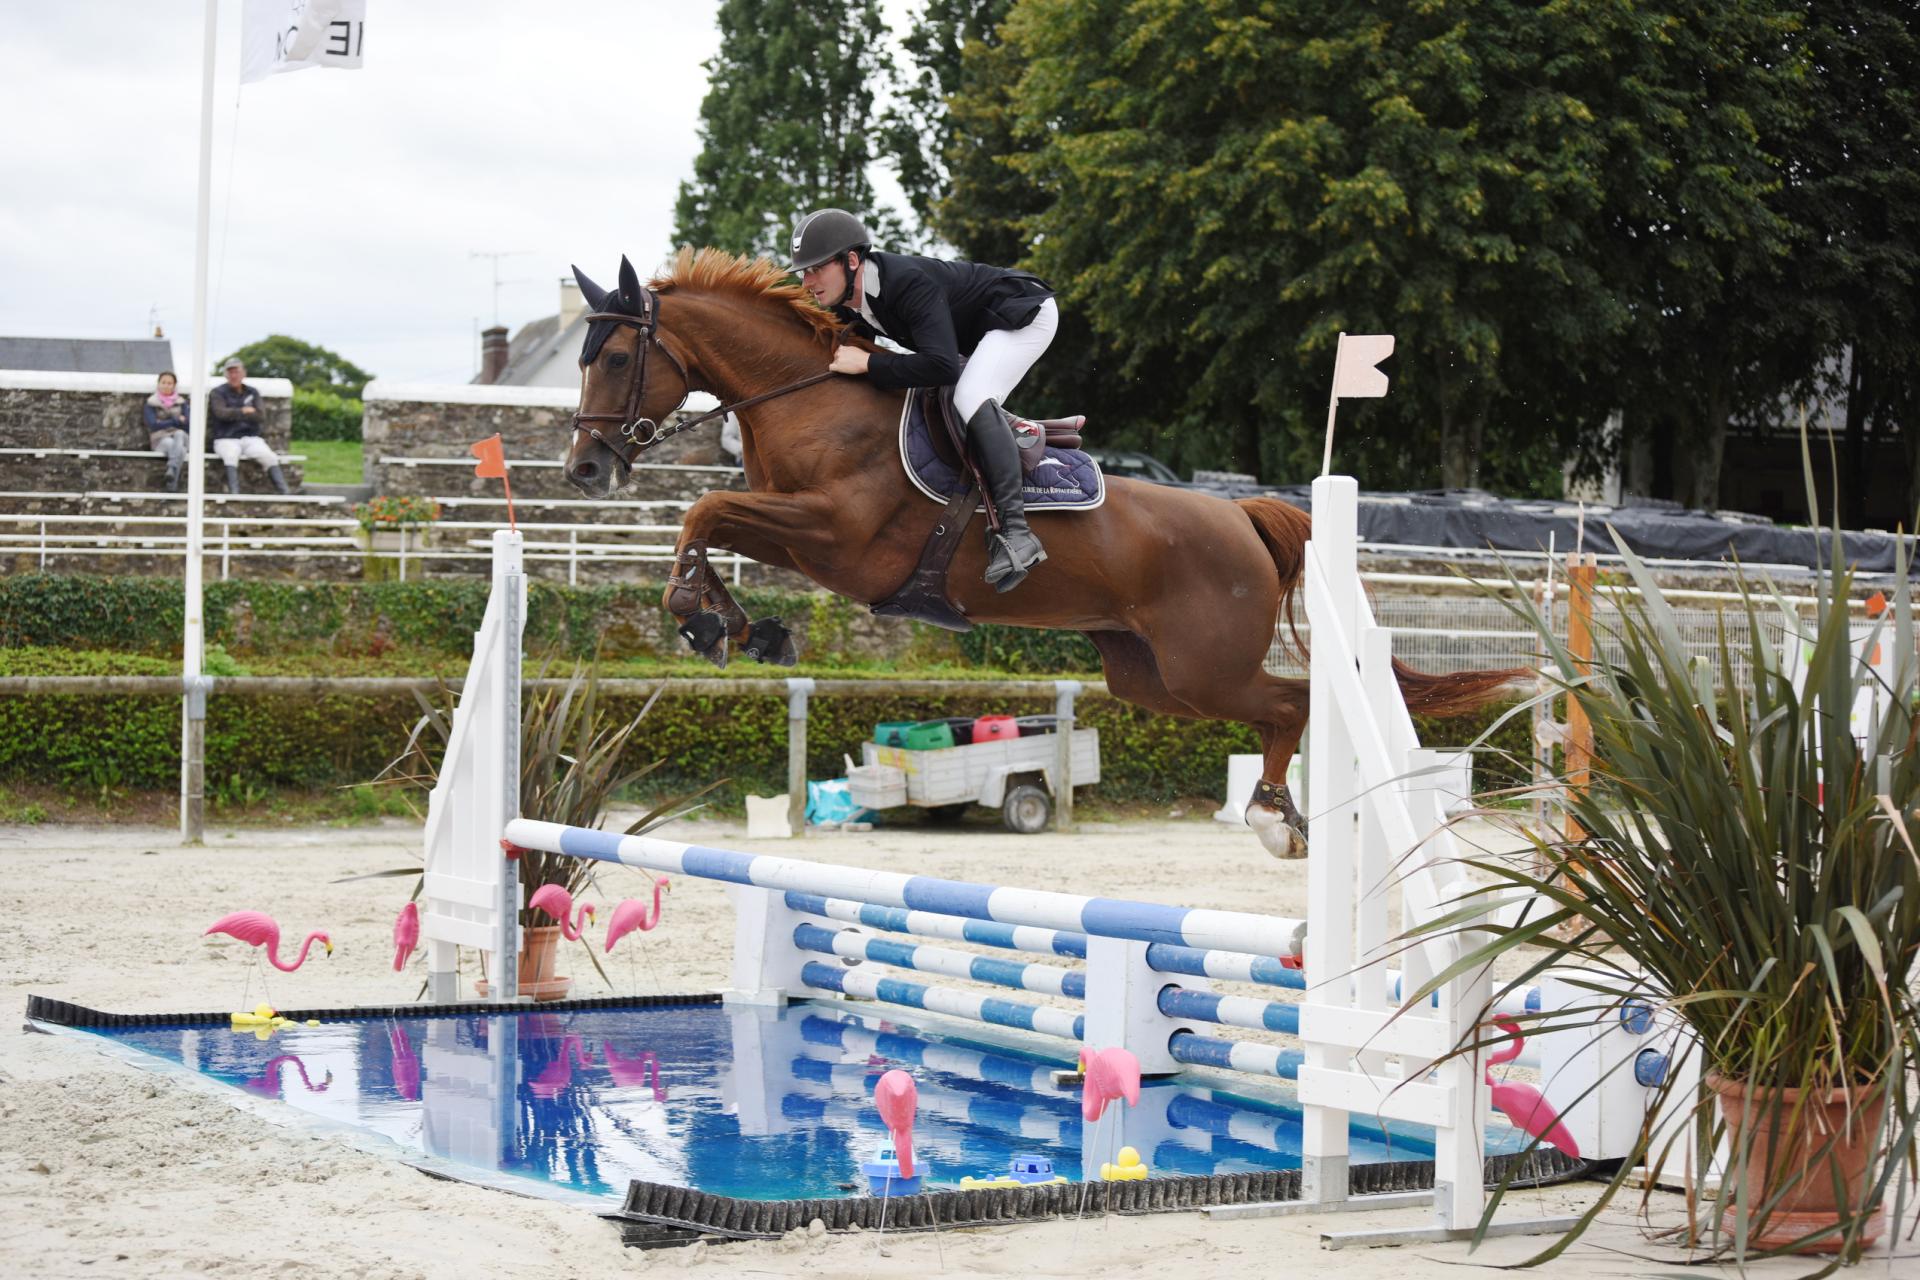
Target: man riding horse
point(973, 327)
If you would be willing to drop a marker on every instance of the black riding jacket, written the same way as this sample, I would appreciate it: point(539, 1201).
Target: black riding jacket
point(940, 308)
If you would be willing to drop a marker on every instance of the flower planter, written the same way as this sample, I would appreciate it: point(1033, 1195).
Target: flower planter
point(394, 553)
point(539, 956)
point(1786, 1144)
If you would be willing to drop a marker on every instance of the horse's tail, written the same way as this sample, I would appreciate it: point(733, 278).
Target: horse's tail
point(1285, 529)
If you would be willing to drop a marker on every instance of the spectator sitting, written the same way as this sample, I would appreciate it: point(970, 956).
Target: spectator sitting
point(236, 428)
point(165, 416)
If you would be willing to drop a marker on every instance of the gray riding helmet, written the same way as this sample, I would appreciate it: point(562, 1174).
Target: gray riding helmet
point(824, 235)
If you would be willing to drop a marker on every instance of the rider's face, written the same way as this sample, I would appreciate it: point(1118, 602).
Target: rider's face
point(826, 282)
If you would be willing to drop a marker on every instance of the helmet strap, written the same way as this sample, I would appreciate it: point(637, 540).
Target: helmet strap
point(846, 260)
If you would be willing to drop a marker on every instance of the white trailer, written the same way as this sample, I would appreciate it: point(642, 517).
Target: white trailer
point(1013, 775)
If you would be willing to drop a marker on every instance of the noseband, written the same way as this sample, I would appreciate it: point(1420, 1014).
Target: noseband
point(638, 433)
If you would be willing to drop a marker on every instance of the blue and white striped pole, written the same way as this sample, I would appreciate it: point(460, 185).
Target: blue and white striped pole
point(985, 933)
point(1107, 917)
point(1044, 979)
point(951, 1001)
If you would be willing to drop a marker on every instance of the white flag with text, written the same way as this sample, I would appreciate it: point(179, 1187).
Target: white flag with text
point(292, 35)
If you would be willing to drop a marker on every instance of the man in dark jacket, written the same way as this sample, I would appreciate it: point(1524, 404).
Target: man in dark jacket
point(967, 325)
point(235, 408)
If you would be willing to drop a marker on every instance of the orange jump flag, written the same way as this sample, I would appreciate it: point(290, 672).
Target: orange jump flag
point(493, 466)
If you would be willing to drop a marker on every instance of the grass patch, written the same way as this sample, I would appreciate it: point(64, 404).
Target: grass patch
point(331, 461)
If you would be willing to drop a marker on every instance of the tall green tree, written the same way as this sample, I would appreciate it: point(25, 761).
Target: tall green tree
point(1850, 301)
point(788, 122)
point(307, 366)
point(948, 46)
point(1233, 187)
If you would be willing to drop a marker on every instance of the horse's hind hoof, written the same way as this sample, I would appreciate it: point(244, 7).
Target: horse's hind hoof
point(707, 635)
point(769, 640)
point(1276, 837)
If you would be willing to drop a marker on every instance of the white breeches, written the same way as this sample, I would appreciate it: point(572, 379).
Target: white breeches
point(1002, 359)
point(252, 448)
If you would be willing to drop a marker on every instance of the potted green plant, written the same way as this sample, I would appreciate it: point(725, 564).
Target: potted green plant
point(1749, 867)
point(570, 771)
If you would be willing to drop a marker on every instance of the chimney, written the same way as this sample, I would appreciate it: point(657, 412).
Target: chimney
point(572, 304)
point(493, 353)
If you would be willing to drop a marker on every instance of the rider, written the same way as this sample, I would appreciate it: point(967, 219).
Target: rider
point(964, 324)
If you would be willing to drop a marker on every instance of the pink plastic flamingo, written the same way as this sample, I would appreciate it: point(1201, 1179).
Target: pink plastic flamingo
point(1110, 1074)
point(632, 914)
point(898, 1099)
point(558, 903)
point(406, 935)
point(257, 928)
point(559, 1073)
point(267, 1083)
point(643, 1071)
point(1523, 1104)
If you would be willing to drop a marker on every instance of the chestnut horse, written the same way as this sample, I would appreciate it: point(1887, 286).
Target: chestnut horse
point(1179, 591)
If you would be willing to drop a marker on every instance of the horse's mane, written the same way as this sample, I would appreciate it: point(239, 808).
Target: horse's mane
point(717, 271)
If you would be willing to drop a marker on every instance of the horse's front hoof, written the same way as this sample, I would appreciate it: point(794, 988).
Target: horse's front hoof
point(769, 640)
point(1276, 836)
point(707, 636)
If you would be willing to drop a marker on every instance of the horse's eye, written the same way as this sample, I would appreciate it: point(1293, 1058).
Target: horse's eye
point(617, 360)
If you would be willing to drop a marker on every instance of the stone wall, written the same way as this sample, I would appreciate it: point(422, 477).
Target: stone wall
point(427, 421)
point(102, 411)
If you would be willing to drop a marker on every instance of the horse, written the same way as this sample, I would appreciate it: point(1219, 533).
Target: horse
point(1180, 592)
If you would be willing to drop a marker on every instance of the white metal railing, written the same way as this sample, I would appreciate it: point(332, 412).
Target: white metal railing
point(390, 460)
point(58, 451)
point(293, 537)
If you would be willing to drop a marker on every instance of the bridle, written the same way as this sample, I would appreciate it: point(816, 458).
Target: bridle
point(639, 433)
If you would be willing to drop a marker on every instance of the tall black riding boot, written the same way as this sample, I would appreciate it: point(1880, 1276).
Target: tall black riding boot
point(233, 479)
point(1014, 550)
point(279, 478)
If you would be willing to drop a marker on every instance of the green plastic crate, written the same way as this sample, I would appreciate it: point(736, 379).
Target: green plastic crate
point(892, 733)
point(932, 735)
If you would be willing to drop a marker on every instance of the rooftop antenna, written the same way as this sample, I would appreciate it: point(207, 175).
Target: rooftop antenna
point(494, 255)
point(153, 321)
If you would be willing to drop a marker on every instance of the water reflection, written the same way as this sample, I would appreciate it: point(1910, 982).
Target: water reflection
point(753, 1102)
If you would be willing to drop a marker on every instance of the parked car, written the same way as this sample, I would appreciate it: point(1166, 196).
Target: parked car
point(1135, 466)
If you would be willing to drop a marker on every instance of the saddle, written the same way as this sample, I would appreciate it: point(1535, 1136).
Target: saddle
point(1058, 476)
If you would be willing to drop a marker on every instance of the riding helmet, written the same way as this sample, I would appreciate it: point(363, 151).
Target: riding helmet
point(824, 235)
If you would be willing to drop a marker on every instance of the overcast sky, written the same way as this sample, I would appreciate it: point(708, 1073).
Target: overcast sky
point(346, 204)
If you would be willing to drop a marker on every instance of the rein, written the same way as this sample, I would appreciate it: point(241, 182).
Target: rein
point(643, 433)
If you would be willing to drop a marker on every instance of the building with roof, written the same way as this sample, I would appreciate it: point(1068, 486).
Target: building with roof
point(151, 356)
point(544, 353)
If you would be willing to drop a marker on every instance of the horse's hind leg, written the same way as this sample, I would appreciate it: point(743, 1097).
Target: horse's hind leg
point(1276, 708)
point(1228, 681)
point(1271, 813)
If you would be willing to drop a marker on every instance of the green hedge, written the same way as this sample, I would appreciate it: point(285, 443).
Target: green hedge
point(297, 743)
point(435, 617)
point(322, 415)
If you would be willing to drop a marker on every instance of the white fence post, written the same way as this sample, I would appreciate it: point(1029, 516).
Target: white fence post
point(471, 895)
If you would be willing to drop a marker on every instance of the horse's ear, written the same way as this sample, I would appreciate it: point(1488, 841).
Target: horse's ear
point(629, 287)
point(596, 296)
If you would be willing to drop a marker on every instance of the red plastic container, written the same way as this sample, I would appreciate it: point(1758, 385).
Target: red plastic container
point(995, 728)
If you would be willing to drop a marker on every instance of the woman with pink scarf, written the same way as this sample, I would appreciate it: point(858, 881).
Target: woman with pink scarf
point(166, 417)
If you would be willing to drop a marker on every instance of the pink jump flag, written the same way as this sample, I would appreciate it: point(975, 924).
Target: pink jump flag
point(1356, 376)
point(493, 466)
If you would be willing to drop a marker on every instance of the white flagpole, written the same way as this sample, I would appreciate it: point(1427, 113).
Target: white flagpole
point(1333, 407)
point(193, 709)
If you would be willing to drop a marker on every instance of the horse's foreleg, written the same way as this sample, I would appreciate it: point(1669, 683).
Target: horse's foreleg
point(751, 524)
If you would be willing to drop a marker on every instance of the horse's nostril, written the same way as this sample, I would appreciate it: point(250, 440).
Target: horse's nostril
point(586, 472)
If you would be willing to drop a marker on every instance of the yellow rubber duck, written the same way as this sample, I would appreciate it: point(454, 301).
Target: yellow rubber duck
point(1128, 1170)
point(263, 1021)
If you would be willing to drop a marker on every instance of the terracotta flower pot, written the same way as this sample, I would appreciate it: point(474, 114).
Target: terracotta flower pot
point(539, 952)
point(1786, 1144)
